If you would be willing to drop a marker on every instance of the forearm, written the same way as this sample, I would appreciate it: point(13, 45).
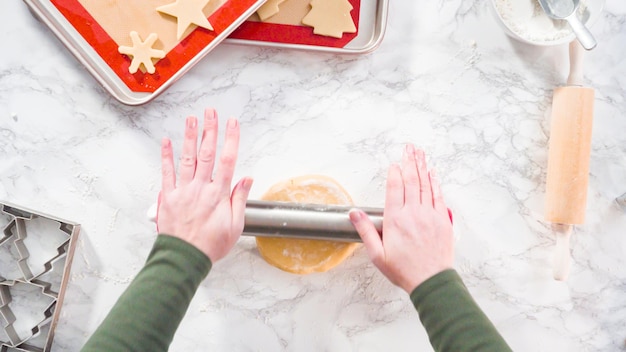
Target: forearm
point(452, 318)
point(148, 313)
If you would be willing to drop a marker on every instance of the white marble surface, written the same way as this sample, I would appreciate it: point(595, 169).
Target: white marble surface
point(445, 78)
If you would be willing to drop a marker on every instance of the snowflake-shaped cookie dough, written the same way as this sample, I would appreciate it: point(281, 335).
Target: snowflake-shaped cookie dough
point(187, 13)
point(142, 52)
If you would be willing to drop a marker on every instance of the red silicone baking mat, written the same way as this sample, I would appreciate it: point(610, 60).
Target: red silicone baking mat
point(293, 34)
point(370, 18)
point(89, 28)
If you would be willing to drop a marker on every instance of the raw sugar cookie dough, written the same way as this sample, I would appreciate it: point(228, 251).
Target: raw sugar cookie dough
point(120, 17)
point(169, 20)
point(187, 13)
point(329, 18)
point(142, 52)
point(306, 256)
point(269, 9)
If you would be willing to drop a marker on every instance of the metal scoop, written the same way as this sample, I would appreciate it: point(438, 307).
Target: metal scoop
point(566, 10)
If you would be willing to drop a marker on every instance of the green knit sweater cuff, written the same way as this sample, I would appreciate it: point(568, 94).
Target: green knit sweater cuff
point(185, 252)
point(451, 317)
point(432, 284)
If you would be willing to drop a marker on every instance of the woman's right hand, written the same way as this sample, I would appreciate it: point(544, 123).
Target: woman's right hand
point(417, 241)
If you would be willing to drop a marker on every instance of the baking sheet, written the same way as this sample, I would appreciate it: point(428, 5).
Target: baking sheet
point(97, 50)
point(370, 16)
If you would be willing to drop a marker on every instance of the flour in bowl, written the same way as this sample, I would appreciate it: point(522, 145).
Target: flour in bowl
point(527, 19)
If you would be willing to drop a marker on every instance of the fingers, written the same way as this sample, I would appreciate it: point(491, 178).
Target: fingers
point(228, 158)
point(238, 203)
point(438, 203)
point(371, 238)
point(208, 147)
point(168, 174)
point(394, 195)
point(422, 170)
point(200, 163)
point(187, 167)
point(410, 176)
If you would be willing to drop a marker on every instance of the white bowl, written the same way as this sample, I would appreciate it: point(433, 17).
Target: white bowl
point(539, 29)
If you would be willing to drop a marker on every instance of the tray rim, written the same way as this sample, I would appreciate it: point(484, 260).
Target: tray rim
point(382, 12)
point(42, 10)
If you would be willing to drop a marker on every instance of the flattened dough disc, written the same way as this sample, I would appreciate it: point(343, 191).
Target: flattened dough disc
point(306, 256)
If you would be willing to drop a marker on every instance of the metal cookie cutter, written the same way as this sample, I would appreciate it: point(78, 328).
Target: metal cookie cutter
point(17, 341)
point(39, 337)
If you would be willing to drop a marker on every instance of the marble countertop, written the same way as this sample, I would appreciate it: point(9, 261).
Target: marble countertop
point(446, 78)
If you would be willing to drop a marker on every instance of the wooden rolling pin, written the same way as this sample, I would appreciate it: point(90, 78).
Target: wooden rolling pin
point(568, 159)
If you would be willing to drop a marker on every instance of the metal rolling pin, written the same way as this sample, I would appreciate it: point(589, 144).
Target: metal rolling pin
point(305, 221)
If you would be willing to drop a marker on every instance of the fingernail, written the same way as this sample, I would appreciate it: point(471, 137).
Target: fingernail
point(421, 158)
point(165, 142)
point(192, 122)
point(433, 173)
point(410, 149)
point(209, 114)
point(232, 123)
point(420, 153)
point(355, 215)
point(247, 183)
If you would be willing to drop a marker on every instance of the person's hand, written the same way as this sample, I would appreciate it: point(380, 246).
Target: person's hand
point(417, 241)
point(201, 209)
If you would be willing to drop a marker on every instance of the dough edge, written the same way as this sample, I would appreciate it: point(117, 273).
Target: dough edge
point(331, 261)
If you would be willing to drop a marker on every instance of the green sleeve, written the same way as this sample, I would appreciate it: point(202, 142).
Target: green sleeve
point(453, 320)
point(148, 313)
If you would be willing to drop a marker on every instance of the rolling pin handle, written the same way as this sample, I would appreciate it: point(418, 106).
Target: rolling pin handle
point(562, 257)
point(576, 52)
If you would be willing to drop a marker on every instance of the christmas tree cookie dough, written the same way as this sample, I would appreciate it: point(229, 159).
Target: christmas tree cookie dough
point(306, 256)
point(330, 18)
point(269, 9)
point(142, 52)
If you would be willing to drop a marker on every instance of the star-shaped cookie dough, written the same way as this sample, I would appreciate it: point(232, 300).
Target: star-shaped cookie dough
point(142, 52)
point(187, 13)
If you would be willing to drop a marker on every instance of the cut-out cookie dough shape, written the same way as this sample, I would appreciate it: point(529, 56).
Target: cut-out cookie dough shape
point(269, 9)
point(330, 18)
point(302, 256)
point(187, 13)
point(142, 53)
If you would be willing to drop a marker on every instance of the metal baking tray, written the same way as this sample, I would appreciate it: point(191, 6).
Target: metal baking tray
point(371, 30)
point(36, 252)
point(47, 13)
